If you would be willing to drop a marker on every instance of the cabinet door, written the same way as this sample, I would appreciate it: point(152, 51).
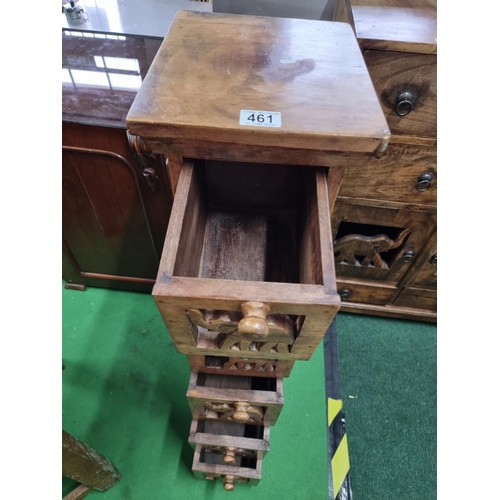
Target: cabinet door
point(104, 226)
point(108, 234)
point(377, 244)
point(419, 287)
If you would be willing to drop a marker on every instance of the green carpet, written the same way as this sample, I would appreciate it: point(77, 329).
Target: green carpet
point(124, 389)
point(388, 376)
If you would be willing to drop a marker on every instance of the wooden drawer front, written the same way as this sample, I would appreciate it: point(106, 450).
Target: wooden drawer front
point(253, 400)
point(247, 268)
point(225, 365)
point(404, 173)
point(234, 441)
point(210, 465)
point(393, 74)
point(378, 243)
point(351, 291)
point(417, 298)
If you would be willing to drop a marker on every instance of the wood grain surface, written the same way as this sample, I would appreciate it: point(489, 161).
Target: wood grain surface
point(404, 28)
point(212, 66)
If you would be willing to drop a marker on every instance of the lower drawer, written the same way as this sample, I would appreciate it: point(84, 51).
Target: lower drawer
point(232, 440)
point(417, 298)
point(211, 466)
point(253, 400)
point(352, 291)
point(405, 173)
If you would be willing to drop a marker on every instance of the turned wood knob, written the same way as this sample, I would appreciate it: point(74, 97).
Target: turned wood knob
point(229, 483)
point(230, 455)
point(241, 412)
point(254, 319)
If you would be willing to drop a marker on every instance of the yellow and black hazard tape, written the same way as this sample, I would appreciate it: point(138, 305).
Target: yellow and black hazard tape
point(338, 451)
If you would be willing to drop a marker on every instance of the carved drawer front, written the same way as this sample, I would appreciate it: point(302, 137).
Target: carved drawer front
point(378, 243)
point(246, 367)
point(235, 442)
point(407, 86)
point(247, 268)
point(405, 173)
point(252, 400)
point(211, 466)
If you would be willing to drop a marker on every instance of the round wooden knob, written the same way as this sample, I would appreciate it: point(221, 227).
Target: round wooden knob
point(254, 319)
point(241, 412)
point(229, 483)
point(230, 456)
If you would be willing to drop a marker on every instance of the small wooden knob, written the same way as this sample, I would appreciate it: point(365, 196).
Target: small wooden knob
point(229, 483)
point(230, 456)
point(254, 319)
point(241, 412)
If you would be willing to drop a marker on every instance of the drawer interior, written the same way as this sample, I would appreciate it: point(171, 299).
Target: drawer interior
point(227, 428)
point(235, 382)
point(210, 457)
point(250, 222)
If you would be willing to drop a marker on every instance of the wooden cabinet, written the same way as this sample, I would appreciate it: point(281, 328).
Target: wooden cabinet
point(246, 283)
point(384, 222)
point(116, 200)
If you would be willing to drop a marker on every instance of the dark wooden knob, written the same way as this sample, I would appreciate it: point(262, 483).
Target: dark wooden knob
point(424, 181)
point(254, 322)
point(345, 293)
point(405, 102)
point(409, 256)
point(434, 260)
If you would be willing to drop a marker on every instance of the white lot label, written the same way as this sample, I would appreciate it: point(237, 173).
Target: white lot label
point(257, 118)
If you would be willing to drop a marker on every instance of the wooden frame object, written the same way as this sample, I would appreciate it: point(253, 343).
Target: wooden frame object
point(83, 464)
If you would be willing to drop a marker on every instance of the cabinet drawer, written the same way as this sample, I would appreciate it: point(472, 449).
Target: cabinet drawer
point(351, 291)
point(254, 400)
point(417, 298)
point(405, 173)
point(407, 86)
point(232, 440)
point(247, 268)
point(210, 465)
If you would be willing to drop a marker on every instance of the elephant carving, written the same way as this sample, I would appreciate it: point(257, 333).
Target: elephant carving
point(364, 251)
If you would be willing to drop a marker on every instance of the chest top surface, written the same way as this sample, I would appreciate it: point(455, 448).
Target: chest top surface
point(307, 76)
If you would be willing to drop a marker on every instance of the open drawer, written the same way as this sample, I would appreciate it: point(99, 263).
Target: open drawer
point(247, 267)
point(247, 400)
point(233, 440)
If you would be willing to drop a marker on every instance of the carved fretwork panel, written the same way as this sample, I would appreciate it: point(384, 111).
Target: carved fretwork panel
point(366, 251)
point(377, 243)
point(219, 330)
